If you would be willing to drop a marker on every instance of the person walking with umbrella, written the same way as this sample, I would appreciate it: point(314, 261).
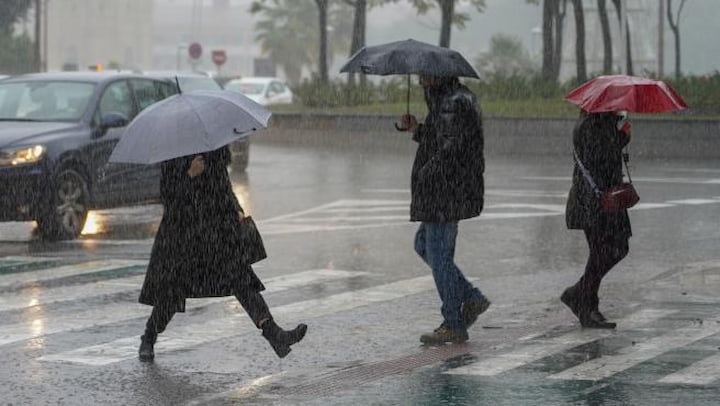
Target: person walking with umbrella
point(196, 252)
point(599, 198)
point(447, 186)
point(598, 147)
point(200, 249)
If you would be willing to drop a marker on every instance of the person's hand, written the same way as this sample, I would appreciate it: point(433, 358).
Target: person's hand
point(626, 128)
point(408, 122)
point(197, 166)
point(241, 216)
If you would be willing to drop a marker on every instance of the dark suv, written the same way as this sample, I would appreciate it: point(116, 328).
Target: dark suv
point(57, 131)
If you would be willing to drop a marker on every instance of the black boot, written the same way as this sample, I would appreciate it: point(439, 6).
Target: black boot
point(570, 299)
point(146, 352)
point(281, 340)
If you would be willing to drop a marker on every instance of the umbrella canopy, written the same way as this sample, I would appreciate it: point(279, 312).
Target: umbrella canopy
point(622, 92)
point(409, 57)
point(187, 124)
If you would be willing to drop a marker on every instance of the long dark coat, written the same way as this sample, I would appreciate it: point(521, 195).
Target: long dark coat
point(447, 177)
point(598, 143)
point(195, 253)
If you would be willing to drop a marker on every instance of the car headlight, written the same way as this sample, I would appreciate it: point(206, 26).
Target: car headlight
point(22, 156)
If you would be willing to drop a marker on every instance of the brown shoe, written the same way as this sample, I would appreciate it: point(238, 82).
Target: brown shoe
point(472, 309)
point(444, 335)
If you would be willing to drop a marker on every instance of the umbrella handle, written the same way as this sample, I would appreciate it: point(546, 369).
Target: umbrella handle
point(397, 127)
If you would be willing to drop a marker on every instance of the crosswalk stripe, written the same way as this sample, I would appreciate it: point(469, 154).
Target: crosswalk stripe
point(67, 270)
point(703, 372)
point(627, 357)
point(181, 337)
point(526, 354)
point(117, 312)
point(43, 296)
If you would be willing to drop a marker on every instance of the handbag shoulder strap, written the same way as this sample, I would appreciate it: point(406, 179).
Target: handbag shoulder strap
point(586, 175)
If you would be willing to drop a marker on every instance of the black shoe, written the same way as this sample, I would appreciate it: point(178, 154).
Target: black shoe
point(146, 352)
point(444, 335)
point(598, 315)
point(569, 298)
point(473, 308)
point(281, 340)
point(594, 319)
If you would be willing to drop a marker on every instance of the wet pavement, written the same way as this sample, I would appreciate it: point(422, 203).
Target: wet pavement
point(340, 259)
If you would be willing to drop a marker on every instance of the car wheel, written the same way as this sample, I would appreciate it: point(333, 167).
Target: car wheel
point(65, 217)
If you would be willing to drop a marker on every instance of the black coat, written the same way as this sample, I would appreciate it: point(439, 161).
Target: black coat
point(447, 176)
point(598, 145)
point(195, 253)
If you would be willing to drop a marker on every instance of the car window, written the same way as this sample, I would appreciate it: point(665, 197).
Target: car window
point(188, 84)
point(44, 100)
point(248, 88)
point(117, 99)
point(277, 87)
point(148, 91)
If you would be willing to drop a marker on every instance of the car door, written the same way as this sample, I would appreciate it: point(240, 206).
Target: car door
point(110, 180)
point(146, 92)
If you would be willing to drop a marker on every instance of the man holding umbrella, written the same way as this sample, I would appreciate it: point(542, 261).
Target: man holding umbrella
point(447, 186)
point(447, 176)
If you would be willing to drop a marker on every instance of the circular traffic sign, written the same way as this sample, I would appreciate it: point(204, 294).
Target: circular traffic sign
point(219, 57)
point(195, 50)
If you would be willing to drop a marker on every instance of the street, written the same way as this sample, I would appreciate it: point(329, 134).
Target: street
point(340, 258)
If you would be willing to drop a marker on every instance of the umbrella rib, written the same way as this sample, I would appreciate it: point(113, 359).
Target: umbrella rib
point(202, 122)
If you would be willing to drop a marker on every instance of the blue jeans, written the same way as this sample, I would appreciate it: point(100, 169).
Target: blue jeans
point(435, 243)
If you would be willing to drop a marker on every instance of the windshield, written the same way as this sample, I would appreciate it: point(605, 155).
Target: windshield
point(44, 100)
point(246, 88)
point(201, 83)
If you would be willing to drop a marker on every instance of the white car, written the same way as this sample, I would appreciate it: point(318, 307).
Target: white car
point(263, 90)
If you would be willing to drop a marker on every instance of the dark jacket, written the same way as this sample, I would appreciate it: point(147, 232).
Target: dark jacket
point(598, 145)
point(447, 176)
point(195, 253)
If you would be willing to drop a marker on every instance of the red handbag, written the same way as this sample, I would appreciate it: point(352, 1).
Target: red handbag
point(618, 198)
point(615, 198)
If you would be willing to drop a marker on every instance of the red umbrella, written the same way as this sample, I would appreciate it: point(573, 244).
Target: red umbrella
point(622, 92)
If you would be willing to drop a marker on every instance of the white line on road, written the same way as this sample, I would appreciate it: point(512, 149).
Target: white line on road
point(65, 271)
point(186, 336)
point(703, 372)
point(526, 354)
point(41, 324)
point(609, 365)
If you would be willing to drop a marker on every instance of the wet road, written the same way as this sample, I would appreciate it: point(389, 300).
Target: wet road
point(335, 224)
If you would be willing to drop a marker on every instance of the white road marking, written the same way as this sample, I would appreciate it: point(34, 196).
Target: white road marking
point(628, 357)
point(703, 372)
point(42, 324)
point(528, 353)
point(182, 337)
point(65, 271)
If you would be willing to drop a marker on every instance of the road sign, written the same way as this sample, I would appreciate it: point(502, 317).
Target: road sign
point(195, 50)
point(219, 57)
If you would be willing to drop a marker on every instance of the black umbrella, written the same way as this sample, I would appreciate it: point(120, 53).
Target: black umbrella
point(409, 57)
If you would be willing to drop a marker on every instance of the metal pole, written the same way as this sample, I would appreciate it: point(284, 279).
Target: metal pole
point(38, 34)
point(45, 37)
point(624, 36)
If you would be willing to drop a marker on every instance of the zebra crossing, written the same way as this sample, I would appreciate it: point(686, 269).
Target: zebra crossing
point(23, 281)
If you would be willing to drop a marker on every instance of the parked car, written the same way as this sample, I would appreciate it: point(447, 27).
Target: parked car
point(190, 81)
point(57, 131)
point(263, 90)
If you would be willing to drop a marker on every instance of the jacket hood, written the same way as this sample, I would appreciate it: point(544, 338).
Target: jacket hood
point(24, 132)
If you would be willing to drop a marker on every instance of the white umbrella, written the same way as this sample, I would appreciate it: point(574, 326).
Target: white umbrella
point(188, 124)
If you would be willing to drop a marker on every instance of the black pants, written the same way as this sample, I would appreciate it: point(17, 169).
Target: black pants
point(252, 301)
point(605, 252)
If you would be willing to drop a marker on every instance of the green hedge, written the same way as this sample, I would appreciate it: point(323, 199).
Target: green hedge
point(702, 93)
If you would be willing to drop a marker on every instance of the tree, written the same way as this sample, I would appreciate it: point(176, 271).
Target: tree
point(288, 35)
point(507, 57)
point(322, 6)
point(16, 53)
point(12, 11)
point(358, 34)
point(554, 12)
point(675, 27)
point(448, 15)
point(607, 39)
point(580, 61)
point(628, 48)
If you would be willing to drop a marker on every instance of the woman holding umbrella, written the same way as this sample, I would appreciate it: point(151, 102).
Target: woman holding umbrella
point(598, 148)
point(197, 253)
point(593, 205)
